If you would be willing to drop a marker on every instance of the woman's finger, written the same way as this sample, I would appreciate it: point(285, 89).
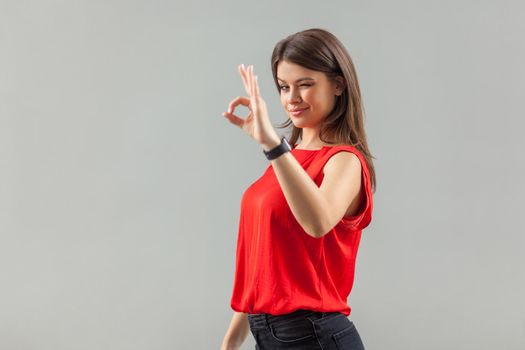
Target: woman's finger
point(234, 119)
point(240, 67)
point(249, 85)
point(240, 100)
point(253, 83)
point(244, 76)
point(257, 92)
point(250, 80)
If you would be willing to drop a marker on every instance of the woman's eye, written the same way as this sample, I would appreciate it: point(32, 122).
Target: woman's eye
point(284, 86)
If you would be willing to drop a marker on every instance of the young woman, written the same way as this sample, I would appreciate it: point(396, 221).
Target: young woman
point(301, 221)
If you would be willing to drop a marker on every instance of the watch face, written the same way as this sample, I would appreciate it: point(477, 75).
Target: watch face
point(285, 141)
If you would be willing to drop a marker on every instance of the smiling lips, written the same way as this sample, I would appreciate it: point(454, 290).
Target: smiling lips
point(297, 111)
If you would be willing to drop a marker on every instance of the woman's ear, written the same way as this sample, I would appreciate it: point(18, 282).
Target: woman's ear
point(339, 85)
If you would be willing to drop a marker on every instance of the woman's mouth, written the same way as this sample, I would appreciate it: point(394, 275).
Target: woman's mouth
point(297, 112)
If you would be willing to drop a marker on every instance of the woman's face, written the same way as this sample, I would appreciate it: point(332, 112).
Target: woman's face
point(315, 93)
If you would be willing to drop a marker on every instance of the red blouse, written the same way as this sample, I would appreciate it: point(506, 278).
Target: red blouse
point(279, 267)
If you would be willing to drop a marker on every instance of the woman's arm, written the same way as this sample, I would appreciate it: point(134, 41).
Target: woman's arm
point(237, 332)
point(318, 209)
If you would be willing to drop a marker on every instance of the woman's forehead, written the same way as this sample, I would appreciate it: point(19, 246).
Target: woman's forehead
point(287, 71)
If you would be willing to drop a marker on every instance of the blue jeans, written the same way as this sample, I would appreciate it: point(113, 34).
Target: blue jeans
point(305, 330)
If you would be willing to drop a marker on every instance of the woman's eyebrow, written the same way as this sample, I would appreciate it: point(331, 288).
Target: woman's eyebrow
point(298, 80)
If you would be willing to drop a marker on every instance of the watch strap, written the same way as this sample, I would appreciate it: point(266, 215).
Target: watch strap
point(280, 149)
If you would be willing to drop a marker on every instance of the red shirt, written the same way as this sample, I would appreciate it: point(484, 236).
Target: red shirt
point(279, 267)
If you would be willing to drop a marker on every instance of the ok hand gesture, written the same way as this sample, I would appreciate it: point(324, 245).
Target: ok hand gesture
point(257, 124)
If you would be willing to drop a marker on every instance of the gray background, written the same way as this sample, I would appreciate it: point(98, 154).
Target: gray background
point(120, 180)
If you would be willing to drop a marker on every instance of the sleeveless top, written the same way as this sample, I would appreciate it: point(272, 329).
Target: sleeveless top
point(279, 267)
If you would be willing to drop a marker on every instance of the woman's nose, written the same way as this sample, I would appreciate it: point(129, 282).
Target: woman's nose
point(293, 102)
point(294, 98)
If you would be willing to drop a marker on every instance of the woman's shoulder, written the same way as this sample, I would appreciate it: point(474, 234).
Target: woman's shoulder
point(342, 155)
point(342, 146)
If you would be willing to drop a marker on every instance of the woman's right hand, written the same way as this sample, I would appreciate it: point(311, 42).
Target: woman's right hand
point(257, 124)
point(237, 332)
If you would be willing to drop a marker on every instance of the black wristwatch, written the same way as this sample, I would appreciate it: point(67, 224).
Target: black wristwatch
point(278, 150)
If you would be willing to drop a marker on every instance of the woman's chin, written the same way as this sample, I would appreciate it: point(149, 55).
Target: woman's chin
point(298, 124)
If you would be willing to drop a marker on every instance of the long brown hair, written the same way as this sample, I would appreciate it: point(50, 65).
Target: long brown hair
point(319, 50)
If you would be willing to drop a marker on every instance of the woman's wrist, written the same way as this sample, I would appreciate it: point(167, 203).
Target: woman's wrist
point(271, 144)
